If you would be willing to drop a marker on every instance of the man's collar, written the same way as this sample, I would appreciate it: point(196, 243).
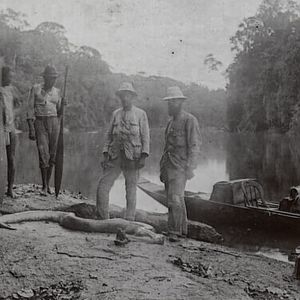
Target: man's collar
point(131, 108)
point(50, 90)
point(181, 113)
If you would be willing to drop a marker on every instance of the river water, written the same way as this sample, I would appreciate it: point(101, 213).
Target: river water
point(274, 159)
point(82, 165)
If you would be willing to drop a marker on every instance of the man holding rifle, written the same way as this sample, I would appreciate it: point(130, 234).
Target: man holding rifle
point(43, 114)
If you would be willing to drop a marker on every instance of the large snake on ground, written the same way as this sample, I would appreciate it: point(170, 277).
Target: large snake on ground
point(70, 221)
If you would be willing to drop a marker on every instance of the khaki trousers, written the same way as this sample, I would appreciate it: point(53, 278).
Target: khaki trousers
point(110, 174)
point(175, 186)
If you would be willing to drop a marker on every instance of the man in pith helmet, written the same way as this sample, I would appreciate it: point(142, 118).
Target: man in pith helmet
point(125, 149)
point(43, 120)
point(182, 140)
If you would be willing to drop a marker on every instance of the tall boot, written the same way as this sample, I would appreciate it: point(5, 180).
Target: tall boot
point(49, 172)
point(44, 172)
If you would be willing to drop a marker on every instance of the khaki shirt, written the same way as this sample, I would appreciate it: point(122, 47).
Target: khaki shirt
point(182, 144)
point(129, 132)
point(43, 104)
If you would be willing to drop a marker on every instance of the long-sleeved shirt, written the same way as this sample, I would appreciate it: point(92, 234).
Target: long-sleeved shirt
point(129, 132)
point(182, 144)
point(42, 103)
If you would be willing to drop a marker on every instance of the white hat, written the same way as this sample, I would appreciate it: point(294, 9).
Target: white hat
point(174, 92)
point(126, 86)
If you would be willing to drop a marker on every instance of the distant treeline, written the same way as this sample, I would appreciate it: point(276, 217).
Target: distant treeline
point(264, 79)
point(92, 85)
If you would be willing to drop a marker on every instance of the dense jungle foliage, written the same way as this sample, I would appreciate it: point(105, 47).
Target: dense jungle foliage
point(91, 84)
point(264, 79)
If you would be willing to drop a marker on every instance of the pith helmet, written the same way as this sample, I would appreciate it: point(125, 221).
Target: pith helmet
point(50, 71)
point(174, 92)
point(126, 86)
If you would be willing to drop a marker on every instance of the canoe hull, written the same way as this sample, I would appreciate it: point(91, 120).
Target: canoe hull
point(221, 215)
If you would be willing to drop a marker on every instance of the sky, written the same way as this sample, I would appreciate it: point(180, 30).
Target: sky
point(152, 37)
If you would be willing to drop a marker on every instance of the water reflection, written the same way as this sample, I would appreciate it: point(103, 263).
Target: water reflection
point(271, 158)
point(82, 165)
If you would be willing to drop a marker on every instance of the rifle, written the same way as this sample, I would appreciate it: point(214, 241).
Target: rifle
point(59, 159)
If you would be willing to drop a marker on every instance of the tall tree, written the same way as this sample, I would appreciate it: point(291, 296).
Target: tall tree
point(264, 77)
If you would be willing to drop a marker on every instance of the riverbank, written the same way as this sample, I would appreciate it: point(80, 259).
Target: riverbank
point(45, 259)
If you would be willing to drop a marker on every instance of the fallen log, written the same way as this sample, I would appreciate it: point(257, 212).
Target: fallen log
point(196, 230)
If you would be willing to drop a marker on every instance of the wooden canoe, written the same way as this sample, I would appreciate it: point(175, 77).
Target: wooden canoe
point(200, 208)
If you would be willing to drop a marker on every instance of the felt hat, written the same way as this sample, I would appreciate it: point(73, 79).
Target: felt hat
point(50, 71)
point(126, 86)
point(174, 92)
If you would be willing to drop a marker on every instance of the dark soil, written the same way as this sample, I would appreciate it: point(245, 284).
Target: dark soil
point(44, 261)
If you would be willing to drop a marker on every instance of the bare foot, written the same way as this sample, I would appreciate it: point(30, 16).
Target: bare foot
point(43, 192)
point(49, 191)
point(11, 194)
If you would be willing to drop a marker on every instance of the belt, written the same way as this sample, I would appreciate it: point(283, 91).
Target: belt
point(44, 117)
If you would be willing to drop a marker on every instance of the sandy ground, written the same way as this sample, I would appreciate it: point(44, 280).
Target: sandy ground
point(44, 261)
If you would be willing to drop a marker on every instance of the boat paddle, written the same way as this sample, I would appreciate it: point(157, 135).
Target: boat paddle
point(59, 159)
point(3, 161)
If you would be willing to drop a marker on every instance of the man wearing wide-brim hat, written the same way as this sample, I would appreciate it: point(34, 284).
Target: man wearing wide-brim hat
point(125, 149)
point(44, 108)
point(182, 141)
